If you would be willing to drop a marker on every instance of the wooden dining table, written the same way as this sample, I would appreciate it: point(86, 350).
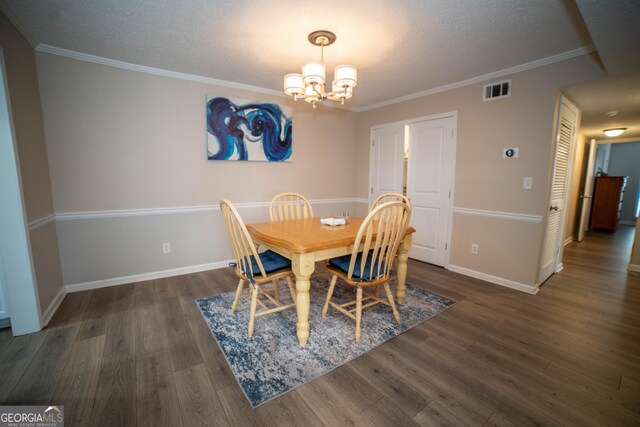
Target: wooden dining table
point(306, 241)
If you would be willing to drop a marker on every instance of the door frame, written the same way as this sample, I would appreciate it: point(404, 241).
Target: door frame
point(450, 114)
point(572, 151)
point(22, 300)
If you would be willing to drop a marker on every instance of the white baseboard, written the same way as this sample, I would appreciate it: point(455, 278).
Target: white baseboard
point(77, 287)
point(53, 306)
point(627, 222)
point(495, 279)
point(569, 240)
point(633, 267)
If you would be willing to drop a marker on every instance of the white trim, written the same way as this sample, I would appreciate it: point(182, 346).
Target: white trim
point(224, 83)
point(495, 75)
point(5, 322)
point(123, 280)
point(360, 200)
point(568, 240)
point(633, 267)
point(66, 216)
point(53, 306)
point(41, 222)
point(627, 222)
point(495, 279)
point(500, 215)
point(150, 70)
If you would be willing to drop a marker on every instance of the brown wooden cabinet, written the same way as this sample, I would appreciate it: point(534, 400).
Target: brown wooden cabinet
point(607, 202)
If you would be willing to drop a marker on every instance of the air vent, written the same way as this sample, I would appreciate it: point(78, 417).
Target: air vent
point(497, 90)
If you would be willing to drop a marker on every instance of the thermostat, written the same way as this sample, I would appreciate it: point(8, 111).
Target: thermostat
point(509, 153)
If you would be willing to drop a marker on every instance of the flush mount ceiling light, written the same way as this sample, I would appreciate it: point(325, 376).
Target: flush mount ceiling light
point(310, 85)
point(614, 132)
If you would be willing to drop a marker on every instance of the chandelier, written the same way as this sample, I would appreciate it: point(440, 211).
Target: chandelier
point(310, 85)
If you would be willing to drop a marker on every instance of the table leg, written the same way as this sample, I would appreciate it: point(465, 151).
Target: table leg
point(303, 266)
point(403, 254)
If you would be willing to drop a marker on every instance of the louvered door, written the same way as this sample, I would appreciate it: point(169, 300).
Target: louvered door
point(565, 134)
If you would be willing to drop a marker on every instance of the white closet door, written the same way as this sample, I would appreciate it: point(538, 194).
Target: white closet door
point(430, 176)
point(565, 134)
point(386, 160)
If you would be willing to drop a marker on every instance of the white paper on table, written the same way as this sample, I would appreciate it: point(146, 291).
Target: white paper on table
point(333, 221)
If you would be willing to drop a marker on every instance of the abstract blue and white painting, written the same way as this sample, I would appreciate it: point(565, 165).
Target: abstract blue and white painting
point(246, 130)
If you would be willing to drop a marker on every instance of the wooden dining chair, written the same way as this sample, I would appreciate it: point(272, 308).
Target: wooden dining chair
point(255, 268)
point(286, 206)
point(369, 264)
point(390, 197)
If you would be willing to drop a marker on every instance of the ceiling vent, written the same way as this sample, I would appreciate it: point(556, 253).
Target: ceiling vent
point(497, 90)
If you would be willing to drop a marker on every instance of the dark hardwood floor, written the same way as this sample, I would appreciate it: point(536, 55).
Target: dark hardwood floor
point(140, 354)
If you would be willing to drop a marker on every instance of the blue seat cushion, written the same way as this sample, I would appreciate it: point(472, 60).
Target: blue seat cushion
point(343, 264)
point(271, 262)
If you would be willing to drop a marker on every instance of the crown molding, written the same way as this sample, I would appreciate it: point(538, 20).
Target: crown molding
point(155, 71)
point(166, 73)
point(483, 78)
point(224, 83)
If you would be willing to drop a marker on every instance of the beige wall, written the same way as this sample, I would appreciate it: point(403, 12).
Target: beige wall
point(121, 140)
point(484, 181)
point(32, 152)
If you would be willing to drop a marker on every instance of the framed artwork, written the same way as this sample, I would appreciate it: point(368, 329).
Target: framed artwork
point(245, 130)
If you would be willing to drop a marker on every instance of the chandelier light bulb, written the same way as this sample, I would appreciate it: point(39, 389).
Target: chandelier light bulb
point(310, 84)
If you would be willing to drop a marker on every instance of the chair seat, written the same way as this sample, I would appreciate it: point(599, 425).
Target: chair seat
point(271, 262)
point(342, 263)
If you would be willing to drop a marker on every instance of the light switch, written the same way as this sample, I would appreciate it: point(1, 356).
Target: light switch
point(527, 183)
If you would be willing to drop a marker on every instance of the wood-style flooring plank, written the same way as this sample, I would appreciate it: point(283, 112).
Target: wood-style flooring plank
point(37, 384)
point(398, 391)
point(237, 409)
point(199, 403)
point(212, 356)
point(434, 388)
point(157, 400)
point(287, 410)
point(97, 312)
point(181, 345)
point(384, 413)
point(79, 381)
point(332, 404)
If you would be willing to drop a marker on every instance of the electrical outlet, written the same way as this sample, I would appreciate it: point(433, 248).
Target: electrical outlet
point(474, 248)
point(527, 183)
point(166, 248)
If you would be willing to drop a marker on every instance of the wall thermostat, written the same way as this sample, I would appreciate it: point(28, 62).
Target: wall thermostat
point(509, 153)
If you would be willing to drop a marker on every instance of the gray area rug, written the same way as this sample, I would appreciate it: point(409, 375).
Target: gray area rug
point(271, 363)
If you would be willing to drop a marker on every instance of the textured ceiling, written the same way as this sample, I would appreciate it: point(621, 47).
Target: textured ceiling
point(400, 47)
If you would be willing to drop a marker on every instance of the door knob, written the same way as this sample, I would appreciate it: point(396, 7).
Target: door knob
point(553, 208)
